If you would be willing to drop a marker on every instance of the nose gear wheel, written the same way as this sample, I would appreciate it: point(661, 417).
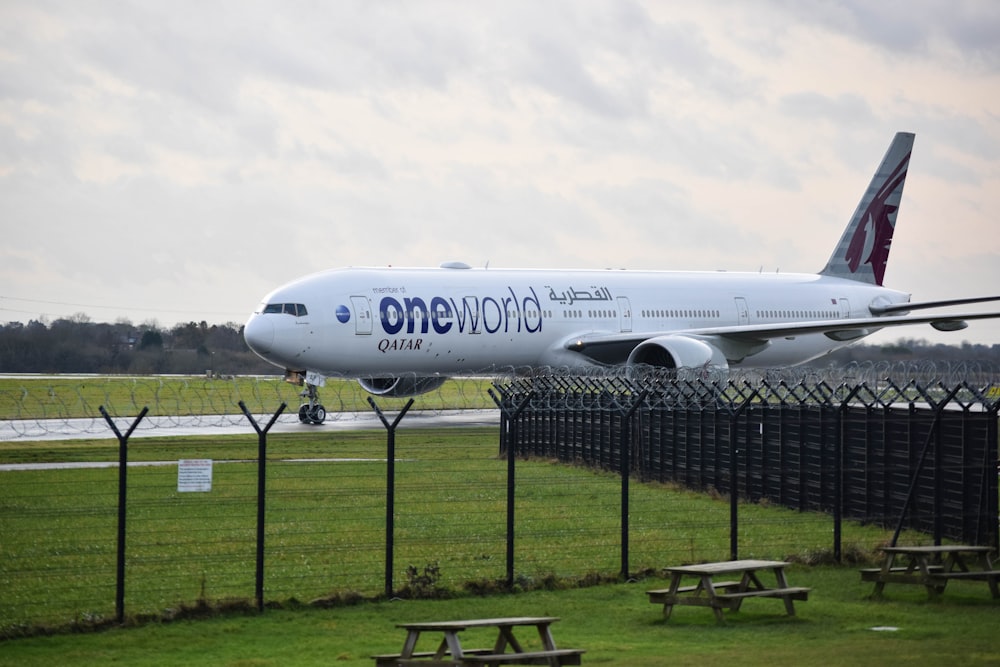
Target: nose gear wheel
point(312, 411)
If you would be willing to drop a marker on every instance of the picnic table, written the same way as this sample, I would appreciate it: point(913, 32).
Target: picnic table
point(933, 567)
point(744, 582)
point(506, 650)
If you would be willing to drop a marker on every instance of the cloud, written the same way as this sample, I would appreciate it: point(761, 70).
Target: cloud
point(815, 106)
point(195, 155)
point(964, 30)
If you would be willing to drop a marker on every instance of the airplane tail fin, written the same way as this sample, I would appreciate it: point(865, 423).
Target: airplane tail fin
point(863, 250)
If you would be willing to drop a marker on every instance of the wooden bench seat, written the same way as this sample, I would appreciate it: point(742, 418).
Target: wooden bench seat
point(733, 601)
point(562, 656)
point(393, 659)
point(418, 659)
point(875, 573)
point(984, 575)
point(896, 570)
point(991, 577)
point(794, 593)
point(658, 596)
point(725, 600)
point(423, 658)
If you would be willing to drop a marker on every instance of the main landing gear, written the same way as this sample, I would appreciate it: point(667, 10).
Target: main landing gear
point(312, 411)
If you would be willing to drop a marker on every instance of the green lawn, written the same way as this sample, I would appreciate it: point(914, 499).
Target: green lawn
point(614, 623)
point(325, 530)
point(75, 397)
point(325, 523)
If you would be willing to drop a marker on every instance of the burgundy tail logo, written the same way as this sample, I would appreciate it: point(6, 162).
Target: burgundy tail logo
point(871, 240)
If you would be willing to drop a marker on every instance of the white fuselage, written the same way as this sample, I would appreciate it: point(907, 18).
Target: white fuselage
point(361, 322)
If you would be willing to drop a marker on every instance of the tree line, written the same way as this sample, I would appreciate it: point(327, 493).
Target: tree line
point(78, 345)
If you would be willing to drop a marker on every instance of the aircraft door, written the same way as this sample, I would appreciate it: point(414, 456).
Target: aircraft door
point(471, 310)
point(742, 312)
point(845, 308)
point(624, 314)
point(362, 315)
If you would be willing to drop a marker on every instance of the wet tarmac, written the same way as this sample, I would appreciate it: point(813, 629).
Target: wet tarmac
point(201, 425)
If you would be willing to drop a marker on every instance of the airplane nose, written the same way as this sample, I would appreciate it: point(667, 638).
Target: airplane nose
point(259, 334)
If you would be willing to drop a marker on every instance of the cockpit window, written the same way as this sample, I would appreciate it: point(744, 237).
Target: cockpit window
point(296, 309)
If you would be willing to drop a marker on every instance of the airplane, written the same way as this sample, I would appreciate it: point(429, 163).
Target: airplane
point(404, 331)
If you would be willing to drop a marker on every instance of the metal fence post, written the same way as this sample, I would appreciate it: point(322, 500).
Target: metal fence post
point(390, 491)
point(734, 476)
point(626, 472)
point(511, 416)
point(122, 492)
point(838, 493)
point(261, 491)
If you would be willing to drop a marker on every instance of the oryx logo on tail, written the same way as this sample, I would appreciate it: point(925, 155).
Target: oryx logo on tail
point(871, 241)
point(864, 248)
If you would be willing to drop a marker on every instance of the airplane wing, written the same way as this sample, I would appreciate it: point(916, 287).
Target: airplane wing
point(750, 339)
point(919, 305)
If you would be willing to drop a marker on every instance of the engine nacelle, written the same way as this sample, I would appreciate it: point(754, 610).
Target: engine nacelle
point(401, 387)
point(678, 351)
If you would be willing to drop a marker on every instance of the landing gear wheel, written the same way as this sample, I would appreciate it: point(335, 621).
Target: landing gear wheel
point(317, 414)
point(311, 412)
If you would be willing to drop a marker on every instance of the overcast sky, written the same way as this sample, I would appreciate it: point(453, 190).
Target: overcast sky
point(175, 161)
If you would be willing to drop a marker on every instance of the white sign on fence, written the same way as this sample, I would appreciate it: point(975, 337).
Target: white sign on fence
point(194, 475)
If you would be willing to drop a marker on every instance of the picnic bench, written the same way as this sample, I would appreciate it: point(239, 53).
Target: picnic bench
point(506, 650)
point(721, 595)
point(933, 567)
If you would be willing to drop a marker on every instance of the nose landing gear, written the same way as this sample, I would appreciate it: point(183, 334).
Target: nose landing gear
point(312, 411)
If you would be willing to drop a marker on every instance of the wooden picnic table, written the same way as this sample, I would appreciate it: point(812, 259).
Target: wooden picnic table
point(745, 582)
point(933, 567)
point(505, 650)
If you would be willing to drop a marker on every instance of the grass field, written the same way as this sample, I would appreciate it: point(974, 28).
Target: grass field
point(81, 396)
point(614, 623)
point(452, 483)
point(325, 523)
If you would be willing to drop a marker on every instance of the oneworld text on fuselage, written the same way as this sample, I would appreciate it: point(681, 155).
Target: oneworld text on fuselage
point(512, 312)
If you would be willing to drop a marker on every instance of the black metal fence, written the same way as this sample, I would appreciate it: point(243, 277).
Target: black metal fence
point(919, 454)
point(351, 516)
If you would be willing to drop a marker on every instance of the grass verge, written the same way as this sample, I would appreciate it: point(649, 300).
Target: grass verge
point(838, 625)
point(77, 397)
point(451, 511)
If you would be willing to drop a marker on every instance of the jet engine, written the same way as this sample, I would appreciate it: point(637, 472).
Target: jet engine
point(401, 386)
point(678, 352)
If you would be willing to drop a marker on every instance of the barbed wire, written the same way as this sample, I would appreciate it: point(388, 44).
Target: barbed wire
point(873, 385)
point(33, 407)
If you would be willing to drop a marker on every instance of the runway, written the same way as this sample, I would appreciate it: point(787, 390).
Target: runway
point(90, 465)
point(236, 424)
